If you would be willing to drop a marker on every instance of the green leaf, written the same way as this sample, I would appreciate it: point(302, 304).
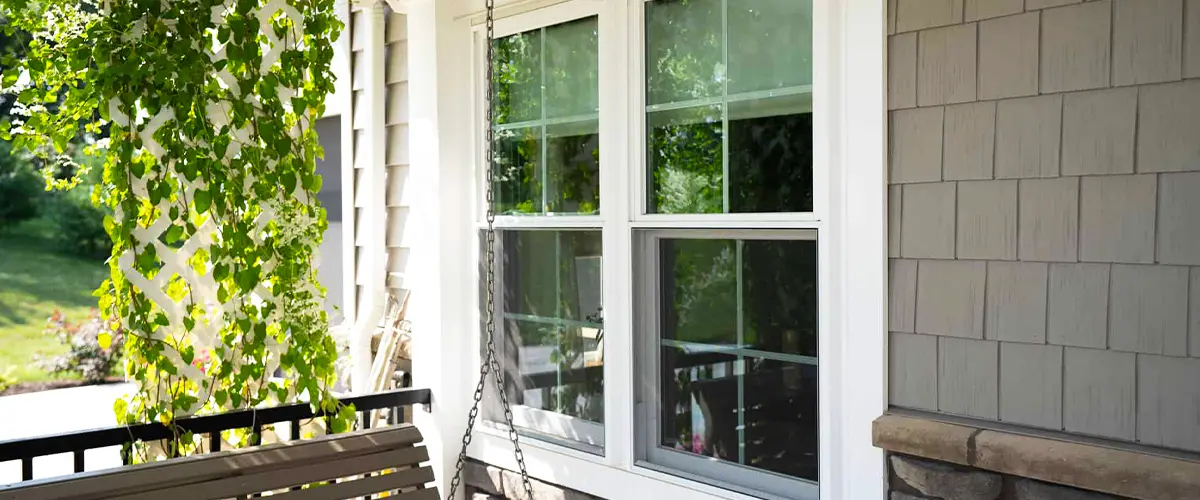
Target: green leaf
point(202, 200)
point(174, 234)
point(104, 340)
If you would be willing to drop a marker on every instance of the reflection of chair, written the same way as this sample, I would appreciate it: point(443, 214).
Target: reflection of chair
point(780, 407)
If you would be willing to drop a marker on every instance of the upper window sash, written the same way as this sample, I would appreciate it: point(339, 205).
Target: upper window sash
point(556, 126)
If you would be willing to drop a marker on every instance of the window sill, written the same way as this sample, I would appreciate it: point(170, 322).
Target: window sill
point(1094, 464)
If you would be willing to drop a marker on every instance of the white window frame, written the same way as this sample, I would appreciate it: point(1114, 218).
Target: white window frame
point(570, 432)
point(849, 210)
point(650, 454)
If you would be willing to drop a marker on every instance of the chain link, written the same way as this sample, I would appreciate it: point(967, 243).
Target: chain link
point(490, 362)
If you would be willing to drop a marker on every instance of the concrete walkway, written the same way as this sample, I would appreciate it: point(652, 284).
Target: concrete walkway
point(55, 412)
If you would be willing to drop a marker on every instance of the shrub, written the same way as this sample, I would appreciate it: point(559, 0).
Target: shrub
point(79, 224)
point(21, 188)
point(94, 347)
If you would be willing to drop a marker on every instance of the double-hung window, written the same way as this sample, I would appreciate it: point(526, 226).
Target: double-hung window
point(720, 244)
point(725, 249)
point(546, 196)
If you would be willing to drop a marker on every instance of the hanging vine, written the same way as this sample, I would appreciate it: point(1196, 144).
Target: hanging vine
point(203, 112)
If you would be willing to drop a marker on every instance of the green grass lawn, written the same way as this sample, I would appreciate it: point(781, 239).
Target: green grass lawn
point(34, 281)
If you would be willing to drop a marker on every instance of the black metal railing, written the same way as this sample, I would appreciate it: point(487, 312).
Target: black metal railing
point(77, 443)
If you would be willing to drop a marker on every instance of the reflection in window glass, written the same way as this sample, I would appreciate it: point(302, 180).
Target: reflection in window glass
point(738, 352)
point(684, 161)
point(729, 106)
point(551, 316)
point(547, 150)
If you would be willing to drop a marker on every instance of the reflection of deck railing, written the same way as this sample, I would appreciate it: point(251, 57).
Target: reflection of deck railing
point(77, 443)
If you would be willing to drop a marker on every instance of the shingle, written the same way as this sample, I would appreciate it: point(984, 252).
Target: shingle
point(1098, 131)
point(1147, 41)
point(927, 221)
point(1179, 218)
point(895, 205)
point(1099, 392)
point(1028, 137)
point(916, 145)
point(1015, 308)
point(920, 14)
point(902, 295)
point(912, 371)
point(891, 17)
point(950, 298)
point(902, 71)
point(1168, 121)
point(1008, 56)
point(967, 377)
point(1043, 4)
point(1031, 384)
point(968, 142)
point(1078, 305)
point(1076, 47)
point(1116, 219)
point(974, 10)
point(1147, 309)
point(1191, 39)
point(946, 65)
point(1194, 313)
point(1168, 402)
point(1049, 226)
point(987, 220)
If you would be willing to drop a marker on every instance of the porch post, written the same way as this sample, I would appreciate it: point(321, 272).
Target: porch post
point(372, 230)
point(442, 276)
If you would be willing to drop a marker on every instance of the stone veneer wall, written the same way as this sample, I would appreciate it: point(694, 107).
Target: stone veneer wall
point(917, 479)
point(1044, 214)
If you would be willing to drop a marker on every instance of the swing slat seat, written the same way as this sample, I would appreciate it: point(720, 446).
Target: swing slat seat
point(351, 465)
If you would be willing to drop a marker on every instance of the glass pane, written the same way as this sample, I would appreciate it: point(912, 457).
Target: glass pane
point(572, 69)
point(738, 351)
point(779, 296)
point(779, 402)
point(700, 291)
point(771, 155)
point(684, 161)
point(518, 77)
point(518, 171)
point(551, 312)
point(770, 44)
point(687, 422)
point(756, 412)
point(573, 164)
point(684, 50)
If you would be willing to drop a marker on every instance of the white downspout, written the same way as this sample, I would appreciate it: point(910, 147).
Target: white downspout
point(372, 230)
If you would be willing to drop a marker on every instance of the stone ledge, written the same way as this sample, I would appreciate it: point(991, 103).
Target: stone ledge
point(1116, 471)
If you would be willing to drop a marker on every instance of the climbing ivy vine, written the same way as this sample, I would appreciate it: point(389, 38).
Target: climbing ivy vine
point(203, 113)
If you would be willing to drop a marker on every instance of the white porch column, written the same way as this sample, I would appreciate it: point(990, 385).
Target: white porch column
point(372, 229)
point(442, 276)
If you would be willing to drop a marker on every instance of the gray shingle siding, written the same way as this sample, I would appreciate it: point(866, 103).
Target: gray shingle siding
point(1045, 181)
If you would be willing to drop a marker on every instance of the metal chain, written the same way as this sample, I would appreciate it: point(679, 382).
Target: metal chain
point(490, 362)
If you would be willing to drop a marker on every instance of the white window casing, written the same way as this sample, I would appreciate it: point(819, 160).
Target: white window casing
point(849, 214)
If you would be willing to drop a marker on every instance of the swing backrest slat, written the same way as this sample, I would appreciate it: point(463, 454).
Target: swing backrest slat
point(356, 464)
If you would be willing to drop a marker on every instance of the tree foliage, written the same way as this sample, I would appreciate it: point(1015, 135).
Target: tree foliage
point(209, 170)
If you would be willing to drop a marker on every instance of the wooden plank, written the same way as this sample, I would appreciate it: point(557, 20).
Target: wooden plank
point(370, 485)
point(190, 470)
point(239, 484)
